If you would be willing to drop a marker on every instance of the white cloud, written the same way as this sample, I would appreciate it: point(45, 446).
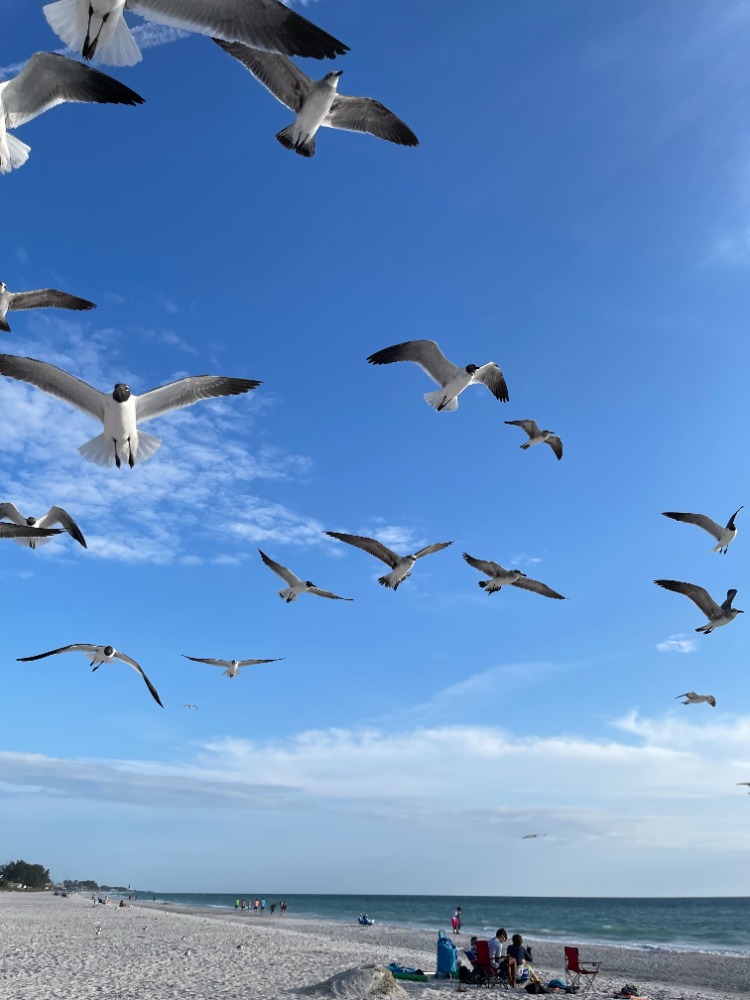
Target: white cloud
point(677, 644)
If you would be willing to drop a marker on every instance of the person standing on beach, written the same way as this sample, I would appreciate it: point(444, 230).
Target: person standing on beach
point(283, 907)
point(236, 904)
point(456, 921)
point(256, 904)
point(262, 906)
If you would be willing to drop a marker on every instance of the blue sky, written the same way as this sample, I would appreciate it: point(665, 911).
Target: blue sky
point(579, 212)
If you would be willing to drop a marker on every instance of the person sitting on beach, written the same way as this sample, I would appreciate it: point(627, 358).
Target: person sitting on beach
point(471, 951)
point(522, 956)
point(507, 964)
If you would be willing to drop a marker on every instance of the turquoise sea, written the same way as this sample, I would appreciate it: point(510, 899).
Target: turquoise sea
point(721, 924)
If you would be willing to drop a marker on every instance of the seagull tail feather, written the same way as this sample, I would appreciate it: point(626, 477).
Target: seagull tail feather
point(18, 154)
point(386, 581)
point(118, 48)
point(436, 400)
point(147, 446)
point(99, 450)
point(292, 137)
point(4, 325)
point(483, 583)
point(68, 20)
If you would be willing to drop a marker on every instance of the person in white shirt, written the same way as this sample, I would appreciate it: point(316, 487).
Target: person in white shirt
point(507, 964)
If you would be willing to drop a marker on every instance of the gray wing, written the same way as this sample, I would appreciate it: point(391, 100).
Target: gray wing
point(79, 647)
point(327, 593)
point(698, 595)
point(731, 594)
point(491, 376)
point(688, 694)
point(424, 353)
point(252, 663)
point(136, 666)
point(56, 515)
point(698, 519)
point(530, 426)
point(187, 391)
point(537, 587)
point(26, 531)
point(491, 569)
point(47, 298)
point(56, 382)
point(48, 80)
point(10, 511)
point(213, 663)
point(371, 545)
point(278, 74)
point(555, 444)
point(262, 24)
point(363, 114)
point(429, 549)
point(282, 571)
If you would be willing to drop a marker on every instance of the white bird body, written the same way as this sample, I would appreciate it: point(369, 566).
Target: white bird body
point(724, 535)
point(504, 579)
point(691, 698)
point(98, 655)
point(297, 586)
point(538, 436)
point(55, 515)
point(500, 577)
point(401, 566)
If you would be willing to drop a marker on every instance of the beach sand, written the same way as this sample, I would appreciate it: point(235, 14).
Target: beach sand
point(54, 947)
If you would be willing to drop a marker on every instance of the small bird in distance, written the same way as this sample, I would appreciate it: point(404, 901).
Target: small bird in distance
point(717, 614)
point(532, 836)
point(537, 436)
point(98, 655)
point(55, 515)
point(231, 667)
point(724, 536)
point(691, 698)
point(499, 577)
point(451, 379)
point(189, 707)
point(401, 566)
point(41, 298)
point(297, 586)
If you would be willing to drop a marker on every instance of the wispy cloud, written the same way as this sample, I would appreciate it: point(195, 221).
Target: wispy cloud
point(677, 644)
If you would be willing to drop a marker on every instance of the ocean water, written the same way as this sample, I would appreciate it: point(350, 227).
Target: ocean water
point(721, 924)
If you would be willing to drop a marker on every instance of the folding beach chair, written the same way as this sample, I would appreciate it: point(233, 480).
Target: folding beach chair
point(574, 970)
point(485, 972)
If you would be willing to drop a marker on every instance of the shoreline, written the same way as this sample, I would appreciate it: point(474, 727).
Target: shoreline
point(69, 948)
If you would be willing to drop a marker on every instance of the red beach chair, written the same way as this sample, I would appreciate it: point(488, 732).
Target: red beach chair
point(574, 970)
point(486, 973)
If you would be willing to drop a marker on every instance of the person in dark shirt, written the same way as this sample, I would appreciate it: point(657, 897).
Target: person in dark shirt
point(522, 955)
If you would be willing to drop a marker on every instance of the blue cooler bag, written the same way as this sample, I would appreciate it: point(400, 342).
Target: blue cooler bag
point(447, 957)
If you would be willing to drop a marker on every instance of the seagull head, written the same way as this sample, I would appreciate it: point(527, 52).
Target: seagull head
point(470, 369)
point(109, 650)
point(332, 78)
point(31, 521)
point(3, 287)
point(711, 701)
point(121, 393)
point(309, 584)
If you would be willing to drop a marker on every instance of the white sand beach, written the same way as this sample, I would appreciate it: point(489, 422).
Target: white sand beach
point(55, 947)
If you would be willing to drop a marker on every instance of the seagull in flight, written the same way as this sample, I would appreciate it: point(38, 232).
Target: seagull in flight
point(537, 436)
point(691, 698)
point(98, 27)
point(532, 836)
point(42, 298)
point(123, 411)
point(401, 566)
point(55, 515)
point(449, 377)
point(717, 614)
point(98, 655)
point(499, 577)
point(744, 783)
point(297, 586)
point(724, 536)
point(317, 103)
point(22, 532)
point(46, 81)
point(189, 706)
point(231, 667)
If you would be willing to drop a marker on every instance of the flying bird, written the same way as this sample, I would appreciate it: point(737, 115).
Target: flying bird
point(21, 532)
point(42, 298)
point(317, 103)
point(537, 436)
point(744, 783)
point(123, 411)
point(46, 81)
point(691, 698)
point(532, 836)
point(55, 515)
point(453, 380)
point(189, 706)
point(98, 27)
point(98, 655)
point(499, 577)
point(401, 566)
point(297, 586)
point(717, 614)
point(231, 667)
point(724, 536)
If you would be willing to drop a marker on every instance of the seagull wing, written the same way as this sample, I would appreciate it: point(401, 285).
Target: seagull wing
point(262, 24)
point(136, 666)
point(47, 298)
point(282, 571)
point(429, 549)
point(187, 391)
point(699, 519)
point(213, 663)
point(491, 569)
point(371, 545)
point(727, 605)
point(530, 426)
point(491, 376)
point(363, 114)
point(252, 663)
point(26, 531)
point(48, 80)
point(278, 74)
point(10, 511)
point(698, 595)
point(688, 694)
point(424, 353)
point(56, 382)
point(537, 587)
point(555, 444)
point(327, 593)
point(79, 647)
point(56, 515)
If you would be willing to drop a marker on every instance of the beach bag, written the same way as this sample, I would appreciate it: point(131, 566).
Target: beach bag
point(536, 988)
point(447, 957)
point(630, 990)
